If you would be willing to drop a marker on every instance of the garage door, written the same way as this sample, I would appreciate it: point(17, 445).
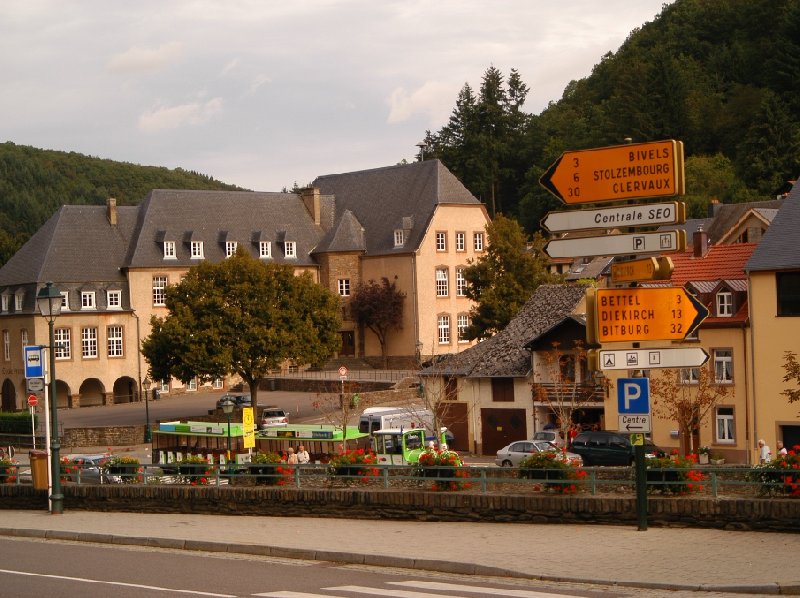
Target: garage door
point(500, 427)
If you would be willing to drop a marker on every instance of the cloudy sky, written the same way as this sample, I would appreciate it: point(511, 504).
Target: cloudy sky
point(265, 93)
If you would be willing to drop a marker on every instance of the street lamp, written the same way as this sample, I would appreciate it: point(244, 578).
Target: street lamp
point(148, 434)
point(49, 301)
point(227, 408)
point(422, 147)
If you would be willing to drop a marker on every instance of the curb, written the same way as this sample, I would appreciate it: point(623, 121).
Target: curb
point(440, 566)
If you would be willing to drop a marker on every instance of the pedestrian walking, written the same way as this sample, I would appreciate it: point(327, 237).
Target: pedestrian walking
point(302, 455)
point(764, 453)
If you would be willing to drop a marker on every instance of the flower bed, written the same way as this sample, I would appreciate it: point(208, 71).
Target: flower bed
point(268, 469)
point(444, 465)
point(674, 474)
point(194, 470)
point(125, 470)
point(8, 471)
point(781, 476)
point(353, 464)
point(557, 472)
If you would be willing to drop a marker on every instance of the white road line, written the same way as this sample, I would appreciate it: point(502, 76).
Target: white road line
point(446, 587)
point(389, 592)
point(118, 583)
point(288, 594)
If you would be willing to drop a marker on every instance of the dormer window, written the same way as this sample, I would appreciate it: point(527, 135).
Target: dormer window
point(18, 299)
point(399, 237)
point(169, 250)
point(5, 302)
point(114, 299)
point(290, 249)
point(196, 250)
point(724, 304)
point(264, 249)
point(64, 300)
point(88, 300)
point(230, 248)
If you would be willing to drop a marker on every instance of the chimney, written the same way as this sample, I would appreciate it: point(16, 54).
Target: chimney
point(713, 207)
point(310, 197)
point(700, 241)
point(111, 210)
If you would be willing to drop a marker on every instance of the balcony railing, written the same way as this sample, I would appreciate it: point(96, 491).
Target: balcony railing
point(551, 393)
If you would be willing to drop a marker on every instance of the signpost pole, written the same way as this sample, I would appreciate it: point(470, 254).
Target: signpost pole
point(641, 487)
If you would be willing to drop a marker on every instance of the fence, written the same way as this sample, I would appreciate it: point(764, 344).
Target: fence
point(728, 482)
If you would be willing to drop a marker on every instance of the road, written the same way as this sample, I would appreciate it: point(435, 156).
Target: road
point(35, 568)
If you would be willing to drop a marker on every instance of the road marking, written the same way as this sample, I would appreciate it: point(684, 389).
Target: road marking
point(445, 587)
point(289, 594)
point(117, 583)
point(389, 592)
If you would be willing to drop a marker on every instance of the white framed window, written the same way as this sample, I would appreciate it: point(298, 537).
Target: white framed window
point(690, 375)
point(64, 300)
point(724, 304)
point(461, 283)
point(216, 383)
point(461, 241)
point(441, 241)
point(196, 250)
point(61, 337)
point(164, 385)
point(264, 249)
point(159, 290)
point(114, 299)
point(462, 323)
point(18, 300)
point(115, 344)
point(6, 345)
point(399, 237)
point(442, 284)
point(344, 287)
point(723, 366)
point(230, 248)
point(192, 384)
point(23, 334)
point(169, 250)
point(477, 241)
point(88, 300)
point(89, 343)
point(726, 426)
point(290, 249)
point(5, 302)
point(443, 329)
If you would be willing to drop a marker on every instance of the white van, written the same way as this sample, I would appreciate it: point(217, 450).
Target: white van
point(379, 418)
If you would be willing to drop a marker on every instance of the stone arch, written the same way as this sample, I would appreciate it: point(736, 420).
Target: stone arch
point(92, 393)
point(125, 390)
point(62, 394)
point(9, 393)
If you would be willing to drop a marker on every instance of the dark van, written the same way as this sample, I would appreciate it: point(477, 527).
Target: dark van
point(603, 447)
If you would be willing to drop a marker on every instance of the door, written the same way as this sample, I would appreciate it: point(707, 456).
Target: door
point(348, 343)
point(500, 427)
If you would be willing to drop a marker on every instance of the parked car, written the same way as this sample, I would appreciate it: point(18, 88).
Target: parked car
point(604, 447)
point(511, 455)
point(90, 468)
point(239, 399)
point(553, 436)
point(272, 416)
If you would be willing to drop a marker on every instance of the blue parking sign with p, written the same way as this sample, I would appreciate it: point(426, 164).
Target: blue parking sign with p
point(633, 396)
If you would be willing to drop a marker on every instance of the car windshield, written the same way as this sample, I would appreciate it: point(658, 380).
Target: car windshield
point(273, 414)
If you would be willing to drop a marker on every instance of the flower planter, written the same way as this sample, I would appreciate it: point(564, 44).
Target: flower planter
point(702, 458)
point(126, 472)
point(542, 474)
point(264, 474)
point(658, 476)
point(192, 472)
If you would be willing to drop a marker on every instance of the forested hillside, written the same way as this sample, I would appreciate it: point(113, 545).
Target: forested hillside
point(719, 75)
point(35, 182)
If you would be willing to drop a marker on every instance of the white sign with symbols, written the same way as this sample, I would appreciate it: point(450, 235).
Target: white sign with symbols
point(644, 359)
point(628, 244)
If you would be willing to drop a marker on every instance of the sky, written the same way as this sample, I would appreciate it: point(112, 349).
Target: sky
point(266, 93)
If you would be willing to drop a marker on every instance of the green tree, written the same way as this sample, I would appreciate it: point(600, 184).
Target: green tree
point(503, 279)
point(792, 369)
point(242, 317)
point(379, 307)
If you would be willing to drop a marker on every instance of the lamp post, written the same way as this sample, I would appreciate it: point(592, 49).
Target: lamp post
point(148, 434)
point(227, 409)
point(49, 301)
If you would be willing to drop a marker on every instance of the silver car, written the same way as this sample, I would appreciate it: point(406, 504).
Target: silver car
point(89, 468)
point(511, 455)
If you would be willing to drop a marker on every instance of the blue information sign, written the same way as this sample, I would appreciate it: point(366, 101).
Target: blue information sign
point(633, 396)
point(34, 362)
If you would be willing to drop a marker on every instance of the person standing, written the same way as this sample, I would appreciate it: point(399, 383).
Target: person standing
point(764, 453)
point(292, 458)
point(781, 449)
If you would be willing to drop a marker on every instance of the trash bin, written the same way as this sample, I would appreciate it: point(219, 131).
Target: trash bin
point(39, 469)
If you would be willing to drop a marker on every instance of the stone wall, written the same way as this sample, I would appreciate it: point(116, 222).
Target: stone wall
point(729, 513)
point(103, 436)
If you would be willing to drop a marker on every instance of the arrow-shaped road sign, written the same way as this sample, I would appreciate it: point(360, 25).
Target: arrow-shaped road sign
point(652, 214)
point(641, 314)
point(649, 268)
point(627, 244)
point(645, 359)
point(652, 169)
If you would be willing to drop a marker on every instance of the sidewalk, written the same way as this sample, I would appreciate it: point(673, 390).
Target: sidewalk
point(665, 558)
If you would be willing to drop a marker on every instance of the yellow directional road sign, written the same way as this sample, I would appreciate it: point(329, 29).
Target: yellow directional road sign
point(652, 169)
point(641, 314)
point(650, 268)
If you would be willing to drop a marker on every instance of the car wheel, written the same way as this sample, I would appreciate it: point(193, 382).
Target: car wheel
point(506, 463)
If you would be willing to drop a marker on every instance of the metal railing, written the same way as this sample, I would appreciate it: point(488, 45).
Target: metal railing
point(352, 375)
point(619, 481)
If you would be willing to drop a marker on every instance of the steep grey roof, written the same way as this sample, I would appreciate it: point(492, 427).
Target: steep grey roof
point(726, 215)
point(390, 198)
point(77, 244)
point(348, 235)
point(777, 249)
point(504, 354)
point(596, 267)
point(215, 217)
point(691, 226)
